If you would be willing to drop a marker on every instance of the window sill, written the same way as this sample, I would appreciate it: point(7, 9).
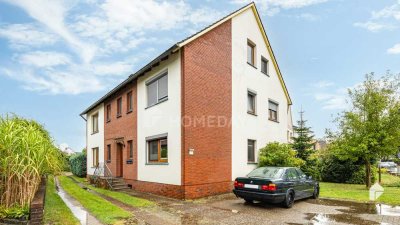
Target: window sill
point(108, 121)
point(252, 163)
point(157, 163)
point(276, 121)
point(129, 111)
point(108, 161)
point(252, 65)
point(94, 133)
point(118, 116)
point(265, 73)
point(251, 113)
point(161, 101)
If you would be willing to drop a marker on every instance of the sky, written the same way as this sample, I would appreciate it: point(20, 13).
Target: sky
point(58, 57)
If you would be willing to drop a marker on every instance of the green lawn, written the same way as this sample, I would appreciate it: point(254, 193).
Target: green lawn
point(357, 192)
point(122, 197)
point(55, 210)
point(102, 209)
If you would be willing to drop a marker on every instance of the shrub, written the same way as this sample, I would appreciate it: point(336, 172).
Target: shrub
point(15, 212)
point(78, 164)
point(27, 152)
point(335, 170)
point(276, 154)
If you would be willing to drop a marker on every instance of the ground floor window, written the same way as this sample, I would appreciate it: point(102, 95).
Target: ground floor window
point(251, 147)
point(130, 149)
point(95, 154)
point(157, 150)
point(108, 153)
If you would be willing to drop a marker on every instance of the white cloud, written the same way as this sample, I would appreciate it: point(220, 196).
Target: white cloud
point(335, 101)
point(387, 12)
point(374, 26)
point(103, 37)
point(323, 84)
point(394, 50)
point(307, 16)
point(44, 59)
point(52, 14)
point(26, 35)
point(272, 7)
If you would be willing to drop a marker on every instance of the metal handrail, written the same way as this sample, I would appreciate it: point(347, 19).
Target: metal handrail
point(103, 170)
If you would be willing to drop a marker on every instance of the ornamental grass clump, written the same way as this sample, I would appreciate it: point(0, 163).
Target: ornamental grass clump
point(27, 152)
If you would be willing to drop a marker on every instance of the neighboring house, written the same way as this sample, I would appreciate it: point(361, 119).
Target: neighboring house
point(320, 144)
point(66, 149)
point(192, 120)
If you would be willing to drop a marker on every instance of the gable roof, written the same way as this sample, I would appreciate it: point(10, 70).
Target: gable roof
point(174, 48)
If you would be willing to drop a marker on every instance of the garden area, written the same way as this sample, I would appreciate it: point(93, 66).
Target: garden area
point(32, 178)
point(367, 132)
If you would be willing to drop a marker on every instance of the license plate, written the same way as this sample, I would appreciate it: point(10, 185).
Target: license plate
point(252, 186)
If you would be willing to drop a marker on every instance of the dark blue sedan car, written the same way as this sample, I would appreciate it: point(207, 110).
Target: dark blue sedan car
point(276, 185)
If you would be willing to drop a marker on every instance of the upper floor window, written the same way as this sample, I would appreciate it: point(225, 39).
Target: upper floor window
point(264, 65)
point(157, 90)
point(251, 148)
point(129, 102)
point(108, 113)
point(95, 123)
point(251, 102)
point(130, 149)
point(158, 150)
point(273, 111)
point(251, 52)
point(119, 107)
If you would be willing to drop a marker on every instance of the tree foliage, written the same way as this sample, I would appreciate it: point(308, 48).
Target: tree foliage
point(370, 129)
point(276, 154)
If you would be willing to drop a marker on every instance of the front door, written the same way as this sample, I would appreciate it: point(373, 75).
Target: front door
point(119, 172)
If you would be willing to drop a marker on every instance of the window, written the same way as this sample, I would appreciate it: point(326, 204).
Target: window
point(273, 111)
point(108, 153)
point(129, 102)
point(95, 123)
point(251, 102)
point(158, 150)
point(291, 174)
point(157, 90)
point(251, 146)
point(130, 149)
point(301, 174)
point(119, 107)
point(251, 51)
point(108, 113)
point(264, 65)
point(95, 161)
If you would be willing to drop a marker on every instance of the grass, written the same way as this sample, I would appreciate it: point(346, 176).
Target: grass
point(55, 210)
point(122, 197)
point(358, 192)
point(102, 209)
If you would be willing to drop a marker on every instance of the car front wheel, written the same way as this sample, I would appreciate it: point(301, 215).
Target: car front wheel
point(289, 200)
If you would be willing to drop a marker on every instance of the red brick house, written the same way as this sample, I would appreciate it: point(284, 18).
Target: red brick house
point(193, 119)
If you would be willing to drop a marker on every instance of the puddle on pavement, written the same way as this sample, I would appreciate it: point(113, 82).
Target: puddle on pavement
point(325, 219)
point(350, 214)
point(361, 208)
point(78, 211)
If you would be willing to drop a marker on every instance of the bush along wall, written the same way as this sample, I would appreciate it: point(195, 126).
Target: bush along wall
point(78, 164)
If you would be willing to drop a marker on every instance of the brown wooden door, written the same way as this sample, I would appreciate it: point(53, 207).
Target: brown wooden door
point(119, 165)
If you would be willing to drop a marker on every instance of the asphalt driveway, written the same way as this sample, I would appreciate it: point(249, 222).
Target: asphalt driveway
point(227, 209)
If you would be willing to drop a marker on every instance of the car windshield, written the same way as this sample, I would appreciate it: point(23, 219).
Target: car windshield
point(266, 172)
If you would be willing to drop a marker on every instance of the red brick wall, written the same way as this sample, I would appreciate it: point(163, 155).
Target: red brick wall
point(122, 127)
point(169, 190)
point(207, 96)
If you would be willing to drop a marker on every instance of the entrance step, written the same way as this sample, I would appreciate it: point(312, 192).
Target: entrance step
point(119, 184)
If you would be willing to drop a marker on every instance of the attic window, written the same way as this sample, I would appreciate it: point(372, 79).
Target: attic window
point(251, 52)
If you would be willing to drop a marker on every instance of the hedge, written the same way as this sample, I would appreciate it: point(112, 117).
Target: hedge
point(78, 164)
